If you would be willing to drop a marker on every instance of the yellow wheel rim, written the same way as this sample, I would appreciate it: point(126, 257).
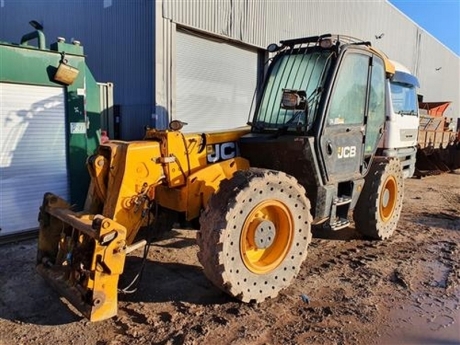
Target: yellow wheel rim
point(266, 237)
point(388, 198)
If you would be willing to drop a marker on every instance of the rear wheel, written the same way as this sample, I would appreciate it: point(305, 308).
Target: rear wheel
point(254, 234)
point(379, 206)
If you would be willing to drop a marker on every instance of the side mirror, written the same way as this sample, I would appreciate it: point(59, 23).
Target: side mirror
point(294, 99)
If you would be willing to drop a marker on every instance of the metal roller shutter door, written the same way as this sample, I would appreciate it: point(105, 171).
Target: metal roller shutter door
point(215, 83)
point(32, 155)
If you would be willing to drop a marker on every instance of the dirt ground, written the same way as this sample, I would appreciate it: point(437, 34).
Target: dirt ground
point(405, 290)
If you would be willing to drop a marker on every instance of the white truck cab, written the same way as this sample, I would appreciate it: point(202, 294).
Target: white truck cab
point(402, 121)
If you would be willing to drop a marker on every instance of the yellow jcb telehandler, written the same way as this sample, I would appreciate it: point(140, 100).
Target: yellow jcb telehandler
point(307, 157)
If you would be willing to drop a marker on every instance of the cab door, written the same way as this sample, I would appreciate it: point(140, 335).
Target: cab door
point(345, 143)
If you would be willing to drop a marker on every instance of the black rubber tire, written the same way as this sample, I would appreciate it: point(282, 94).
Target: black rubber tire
point(231, 210)
point(379, 206)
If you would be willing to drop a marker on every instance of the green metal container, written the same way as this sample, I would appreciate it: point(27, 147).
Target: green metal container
point(62, 66)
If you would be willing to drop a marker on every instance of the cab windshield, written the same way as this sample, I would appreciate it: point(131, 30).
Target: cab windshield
point(303, 72)
point(404, 99)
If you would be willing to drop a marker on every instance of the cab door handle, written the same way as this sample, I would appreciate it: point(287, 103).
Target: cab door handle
point(329, 148)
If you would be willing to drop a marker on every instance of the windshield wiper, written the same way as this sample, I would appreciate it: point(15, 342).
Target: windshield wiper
point(406, 112)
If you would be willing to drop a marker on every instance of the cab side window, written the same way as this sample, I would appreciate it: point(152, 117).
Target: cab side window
point(376, 113)
point(349, 96)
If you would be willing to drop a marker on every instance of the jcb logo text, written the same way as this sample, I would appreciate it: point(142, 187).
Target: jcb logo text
point(346, 152)
point(222, 152)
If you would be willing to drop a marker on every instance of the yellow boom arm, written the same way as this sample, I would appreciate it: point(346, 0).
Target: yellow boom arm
point(82, 254)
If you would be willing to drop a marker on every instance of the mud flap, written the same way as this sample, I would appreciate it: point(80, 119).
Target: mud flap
point(81, 256)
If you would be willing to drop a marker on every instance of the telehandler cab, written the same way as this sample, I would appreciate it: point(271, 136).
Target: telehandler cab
point(307, 158)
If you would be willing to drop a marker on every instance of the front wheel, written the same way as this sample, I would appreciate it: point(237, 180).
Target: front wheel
point(379, 206)
point(254, 234)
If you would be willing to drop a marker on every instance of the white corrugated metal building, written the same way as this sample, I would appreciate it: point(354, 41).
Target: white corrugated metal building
point(189, 57)
point(199, 61)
